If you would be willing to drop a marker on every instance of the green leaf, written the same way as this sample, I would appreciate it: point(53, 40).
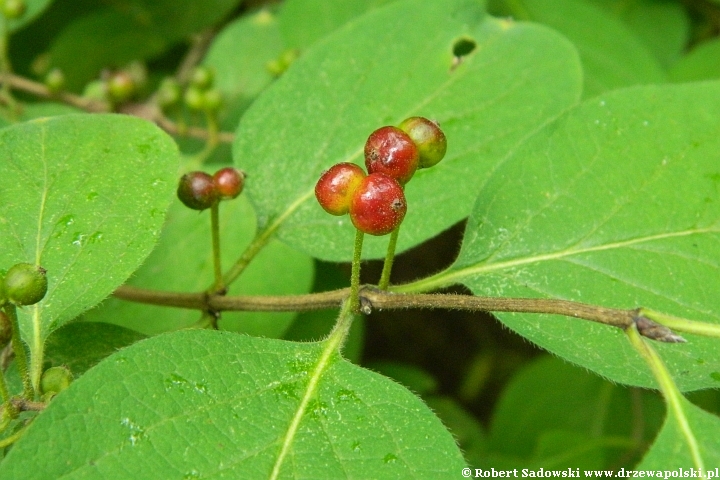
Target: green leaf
point(702, 63)
point(134, 30)
point(614, 204)
point(33, 8)
point(239, 56)
point(612, 56)
point(182, 262)
point(31, 111)
point(117, 39)
point(663, 27)
point(317, 324)
point(670, 450)
point(81, 345)
point(392, 63)
point(210, 404)
point(575, 419)
point(303, 22)
point(466, 429)
point(85, 198)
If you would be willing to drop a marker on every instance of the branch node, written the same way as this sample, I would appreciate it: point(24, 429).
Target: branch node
point(655, 331)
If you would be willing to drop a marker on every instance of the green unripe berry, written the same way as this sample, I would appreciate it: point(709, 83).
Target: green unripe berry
point(55, 80)
point(212, 100)
point(54, 380)
point(13, 8)
point(197, 190)
point(169, 93)
point(202, 77)
point(25, 284)
point(194, 98)
point(5, 329)
point(121, 87)
point(278, 66)
point(428, 137)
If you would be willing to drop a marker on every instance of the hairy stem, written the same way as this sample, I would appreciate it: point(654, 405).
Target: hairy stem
point(215, 232)
point(19, 349)
point(371, 298)
point(4, 392)
point(332, 344)
point(670, 392)
point(355, 272)
point(389, 259)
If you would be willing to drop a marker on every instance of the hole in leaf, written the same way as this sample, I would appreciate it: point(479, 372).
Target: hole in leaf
point(463, 46)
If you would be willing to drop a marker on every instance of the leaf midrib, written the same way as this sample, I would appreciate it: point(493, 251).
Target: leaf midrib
point(457, 275)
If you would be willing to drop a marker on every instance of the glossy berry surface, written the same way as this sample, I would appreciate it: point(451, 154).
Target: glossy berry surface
point(391, 151)
point(229, 183)
point(25, 284)
point(379, 205)
point(428, 137)
point(335, 188)
point(197, 190)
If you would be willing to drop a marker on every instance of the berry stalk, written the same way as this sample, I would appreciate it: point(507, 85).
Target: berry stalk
point(19, 349)
point(355, 272)
point(389, 259)
point(219, 285)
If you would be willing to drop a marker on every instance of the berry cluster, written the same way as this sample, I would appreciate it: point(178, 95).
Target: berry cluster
point(376, 201)
point(23, 284)
point(199, 190)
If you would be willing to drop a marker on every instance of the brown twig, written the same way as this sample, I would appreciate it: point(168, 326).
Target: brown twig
point(371, 298)
point(24, 405)
point(146, 110)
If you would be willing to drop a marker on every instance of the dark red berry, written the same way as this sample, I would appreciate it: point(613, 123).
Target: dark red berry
point(336, 186)
point(378, 205)
point(229, 183)
point(197, 190)
point(391, 151)
point(428, 137)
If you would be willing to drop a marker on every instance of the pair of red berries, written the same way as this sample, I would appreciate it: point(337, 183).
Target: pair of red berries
point(198, 190)
point(376, 202)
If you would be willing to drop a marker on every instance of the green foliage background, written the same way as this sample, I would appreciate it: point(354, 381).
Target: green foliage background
point(583, 165)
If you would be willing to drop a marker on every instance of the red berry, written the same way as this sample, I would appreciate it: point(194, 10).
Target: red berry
point(391, 151)
point(229, 183)
point(428, 137)
point(378, 205)
point(336, 187)
point(197, 190)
